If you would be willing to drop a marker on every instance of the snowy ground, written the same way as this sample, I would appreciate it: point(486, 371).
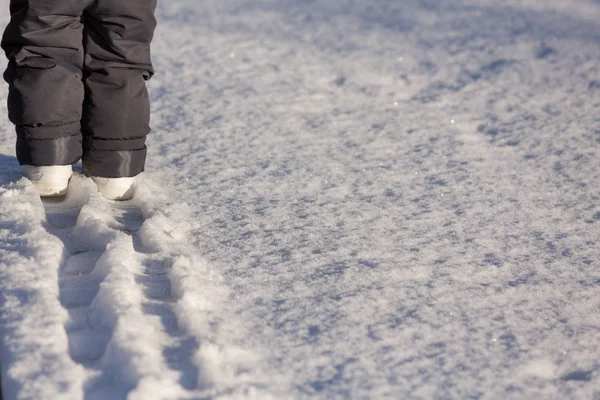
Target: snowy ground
point(359, 199)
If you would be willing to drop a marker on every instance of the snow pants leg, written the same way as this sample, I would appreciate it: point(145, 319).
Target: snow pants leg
point(116, 112)
point(76, 75)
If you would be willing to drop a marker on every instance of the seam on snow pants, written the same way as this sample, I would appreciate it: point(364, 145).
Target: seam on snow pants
point(76, 75)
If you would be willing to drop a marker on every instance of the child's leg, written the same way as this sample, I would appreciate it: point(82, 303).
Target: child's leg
point(43, 43)
point(116, 113)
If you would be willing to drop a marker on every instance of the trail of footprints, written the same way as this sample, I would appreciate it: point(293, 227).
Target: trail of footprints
point(80, 284)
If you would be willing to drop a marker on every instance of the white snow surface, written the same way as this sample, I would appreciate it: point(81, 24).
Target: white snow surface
point(349, 199)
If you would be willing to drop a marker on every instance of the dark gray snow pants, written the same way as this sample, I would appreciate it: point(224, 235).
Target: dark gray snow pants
point(76, 75)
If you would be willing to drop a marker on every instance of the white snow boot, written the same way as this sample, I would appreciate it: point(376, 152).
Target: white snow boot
point(115, 188)
point(50, 181)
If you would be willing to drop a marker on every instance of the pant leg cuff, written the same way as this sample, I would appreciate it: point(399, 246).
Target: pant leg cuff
point(63, 150)
point(114, 163)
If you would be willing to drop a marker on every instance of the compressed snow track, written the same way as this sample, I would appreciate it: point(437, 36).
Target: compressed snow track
point(122, 273)
point(88, 269)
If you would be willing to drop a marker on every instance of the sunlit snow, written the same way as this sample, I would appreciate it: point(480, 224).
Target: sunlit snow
point(349, 199)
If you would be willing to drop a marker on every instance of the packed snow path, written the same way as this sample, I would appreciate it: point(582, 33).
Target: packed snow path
point(82, 273)
point(344, 199)
point(121, 287)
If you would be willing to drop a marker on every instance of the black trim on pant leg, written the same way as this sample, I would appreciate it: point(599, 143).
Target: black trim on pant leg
point(43, 132)
point(125, 143)
point(64, 150)
point(114, 163)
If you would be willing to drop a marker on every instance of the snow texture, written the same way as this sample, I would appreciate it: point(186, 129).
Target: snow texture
point(344, 199)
